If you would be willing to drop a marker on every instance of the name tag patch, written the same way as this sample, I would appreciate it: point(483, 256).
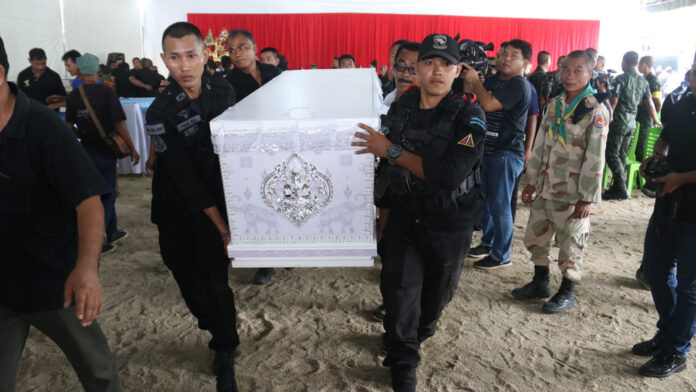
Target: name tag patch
point(188, 123)
point(191, 131)
point(155, 129)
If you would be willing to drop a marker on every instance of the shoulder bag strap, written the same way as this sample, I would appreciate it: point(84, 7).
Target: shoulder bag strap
point(92, 115)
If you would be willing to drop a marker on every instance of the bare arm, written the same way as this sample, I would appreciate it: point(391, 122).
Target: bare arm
point(83, 282)
point(376, 143)
point(489, 103)
point(530, 132)
point(150, 163)
point(412, 163)
point(658, 104)
point(123, 132)
point(138, 83)
point(214, 215)
point(674, 181)
point(651, 109)
point(613, 101)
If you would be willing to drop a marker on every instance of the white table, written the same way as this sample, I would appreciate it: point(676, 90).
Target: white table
point(136, 128)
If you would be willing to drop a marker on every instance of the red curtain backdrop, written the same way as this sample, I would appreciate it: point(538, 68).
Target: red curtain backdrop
point(305, 39)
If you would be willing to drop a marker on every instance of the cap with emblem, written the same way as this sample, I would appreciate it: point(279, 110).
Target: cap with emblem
point(439, 45)
point(88, 64)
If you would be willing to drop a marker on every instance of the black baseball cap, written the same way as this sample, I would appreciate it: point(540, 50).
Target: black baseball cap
point(440, 45)
point(3, 57)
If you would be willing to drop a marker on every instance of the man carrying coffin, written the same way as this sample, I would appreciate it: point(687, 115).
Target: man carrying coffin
point(428, 178)
point(188, 203)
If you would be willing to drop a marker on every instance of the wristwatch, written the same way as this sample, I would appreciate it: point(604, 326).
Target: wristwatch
point(393, 152)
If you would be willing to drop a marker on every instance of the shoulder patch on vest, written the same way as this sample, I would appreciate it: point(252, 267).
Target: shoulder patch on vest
point(599, 121)
point(467, 141)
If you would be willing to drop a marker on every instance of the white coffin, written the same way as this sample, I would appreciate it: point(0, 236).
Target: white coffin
point(297, 195)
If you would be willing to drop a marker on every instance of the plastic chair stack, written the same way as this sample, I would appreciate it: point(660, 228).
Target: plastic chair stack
point(632, 166)
point(653, 135)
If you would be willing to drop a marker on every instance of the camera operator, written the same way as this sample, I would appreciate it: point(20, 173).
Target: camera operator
point(669, 243)
point(505, 97)
point(427, 178)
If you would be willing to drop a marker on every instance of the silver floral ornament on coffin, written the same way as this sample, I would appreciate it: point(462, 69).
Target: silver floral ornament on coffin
point(296, 189)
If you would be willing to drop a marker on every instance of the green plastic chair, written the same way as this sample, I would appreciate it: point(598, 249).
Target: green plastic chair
point(653, 135)
point(632, 166)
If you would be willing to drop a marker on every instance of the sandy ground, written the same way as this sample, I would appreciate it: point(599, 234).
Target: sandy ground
point(310, 329)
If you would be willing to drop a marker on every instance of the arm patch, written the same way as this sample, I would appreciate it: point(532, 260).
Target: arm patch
point(155, 129)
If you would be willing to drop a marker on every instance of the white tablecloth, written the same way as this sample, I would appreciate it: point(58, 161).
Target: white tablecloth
point(136, 128)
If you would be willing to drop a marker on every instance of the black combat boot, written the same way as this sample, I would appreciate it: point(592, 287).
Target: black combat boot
point(537, 288)
point(650, 347)
point(224, 361)
point(563, 300)
point(403, 379)
point(665, 363)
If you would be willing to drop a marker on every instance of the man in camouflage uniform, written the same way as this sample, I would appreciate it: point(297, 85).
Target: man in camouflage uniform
point(645, 68)
point(631, 89)
point(565, 171)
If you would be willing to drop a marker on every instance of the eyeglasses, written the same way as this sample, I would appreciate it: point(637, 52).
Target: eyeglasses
point(240, 48)
point(403, 68)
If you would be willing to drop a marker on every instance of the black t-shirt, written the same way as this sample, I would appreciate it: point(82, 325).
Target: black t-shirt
point(505, 127)
point(44, 175)
point(536, 78)
point(150, 77)
point(680, 134)
point(106, 106)
point(39, 89)
point(245, 84)
point(439, 205)
point(124, 88)
point(187, 175)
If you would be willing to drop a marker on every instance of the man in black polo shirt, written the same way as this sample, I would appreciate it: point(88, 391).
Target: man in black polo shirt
point(247, 76)
point(669, 254)
point(248, 73)
point(38, 81)
point(505, 97)
point(188, 202)
point(49, 197)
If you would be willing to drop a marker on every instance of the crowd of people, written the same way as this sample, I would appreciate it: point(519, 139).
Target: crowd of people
point(454, 145)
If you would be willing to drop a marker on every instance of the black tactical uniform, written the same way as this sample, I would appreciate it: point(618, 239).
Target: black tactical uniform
point(187, 180)
point(430, 222)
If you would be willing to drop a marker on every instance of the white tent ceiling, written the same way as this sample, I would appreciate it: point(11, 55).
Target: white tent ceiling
point(134, 27)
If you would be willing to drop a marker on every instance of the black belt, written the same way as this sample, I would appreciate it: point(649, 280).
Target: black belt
point(470, 182)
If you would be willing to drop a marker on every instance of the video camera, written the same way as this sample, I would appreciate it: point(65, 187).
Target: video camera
point(658, 167)
point(474, 53)
point(606, 79)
